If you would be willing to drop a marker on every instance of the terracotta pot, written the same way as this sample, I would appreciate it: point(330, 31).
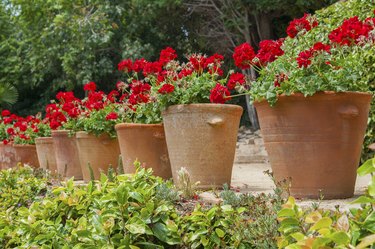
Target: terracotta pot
point(316, 141)
point(46, 153)
point(26, 154)
point(202, 138)
point(99, 152)
point(145, 143)
point(7, 156)
point(66, 154)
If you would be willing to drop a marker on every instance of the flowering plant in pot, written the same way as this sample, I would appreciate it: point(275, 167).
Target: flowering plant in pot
point(312, 102)
point(92, 119)
point(198, 127)
point(22, 133)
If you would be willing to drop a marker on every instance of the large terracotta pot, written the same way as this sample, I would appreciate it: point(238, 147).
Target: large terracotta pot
point(145, 143)
point(26, 154)
point(7, 156)
point(100, 153)
point(316, 141)
point(66, 154)
point(46, 153)
point(202, 138)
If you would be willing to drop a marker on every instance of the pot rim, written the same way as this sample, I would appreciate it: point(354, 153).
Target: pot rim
point(44, 140)
point(60, 132)
point(85, 134)
point(24, 145)
point(121, 126)
point(180, 108)
point(317, 94)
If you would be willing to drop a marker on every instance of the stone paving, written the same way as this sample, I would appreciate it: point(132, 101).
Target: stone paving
point(251, 161)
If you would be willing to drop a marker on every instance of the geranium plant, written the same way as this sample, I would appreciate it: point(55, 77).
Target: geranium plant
point(168, 81)
point(313, 59)
point(19, 130)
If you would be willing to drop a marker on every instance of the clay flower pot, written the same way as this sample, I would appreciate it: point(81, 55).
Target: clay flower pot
point(145, 143)
point(66, 154)
point(202, 138)
point(316, 141)
point(26, 154)
point(7, 156)
point(99, 152)
point(46, 153)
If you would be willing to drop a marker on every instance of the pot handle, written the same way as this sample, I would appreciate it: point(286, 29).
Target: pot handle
point(349, 111)
point(216, 121)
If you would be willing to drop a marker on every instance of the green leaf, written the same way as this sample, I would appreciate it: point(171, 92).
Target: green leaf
point(367, 168)
point(160, 231)
point(286, 212)
point(366, 241)
point(340, 238)
point(325, 222)
point(298, 236)
point(136, 228)
point(363, 200)
point(220, 233)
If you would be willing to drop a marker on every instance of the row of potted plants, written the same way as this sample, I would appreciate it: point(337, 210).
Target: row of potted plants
point(127, 121)
point(318, 67)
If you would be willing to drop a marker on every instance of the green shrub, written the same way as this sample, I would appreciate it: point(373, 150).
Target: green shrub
point(126, 211)
point(330, 229)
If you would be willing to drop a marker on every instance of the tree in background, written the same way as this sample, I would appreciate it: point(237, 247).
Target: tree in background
point(46, 46)
point(62, 44)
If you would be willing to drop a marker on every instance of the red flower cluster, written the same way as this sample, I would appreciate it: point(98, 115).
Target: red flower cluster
point(17, 127)
point(351, 31)
point(243, 55)
point(269, 50)
point(166, 88)
point(304, 57)
point(166, 55)
point(5, 113)
point(235, 79)
point(91, 86)
point(303, 23)
point(219, 94)
point(111, 116)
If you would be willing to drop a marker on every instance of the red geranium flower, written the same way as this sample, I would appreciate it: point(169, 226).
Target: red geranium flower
point(269, 50)
point(166, 55)
point(125, 65)
point(5, 113)
point(350, 32)
point(235, 79)
point(91, 86)
point(11, 131)
point(300, 24)
point(319, 46)
point(243, 55)
point(304, 58)
point(219, 94)
point(138, 65)
point(111, 116)
point(166, 88)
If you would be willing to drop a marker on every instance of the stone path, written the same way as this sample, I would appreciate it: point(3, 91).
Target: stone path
point(251, 161)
